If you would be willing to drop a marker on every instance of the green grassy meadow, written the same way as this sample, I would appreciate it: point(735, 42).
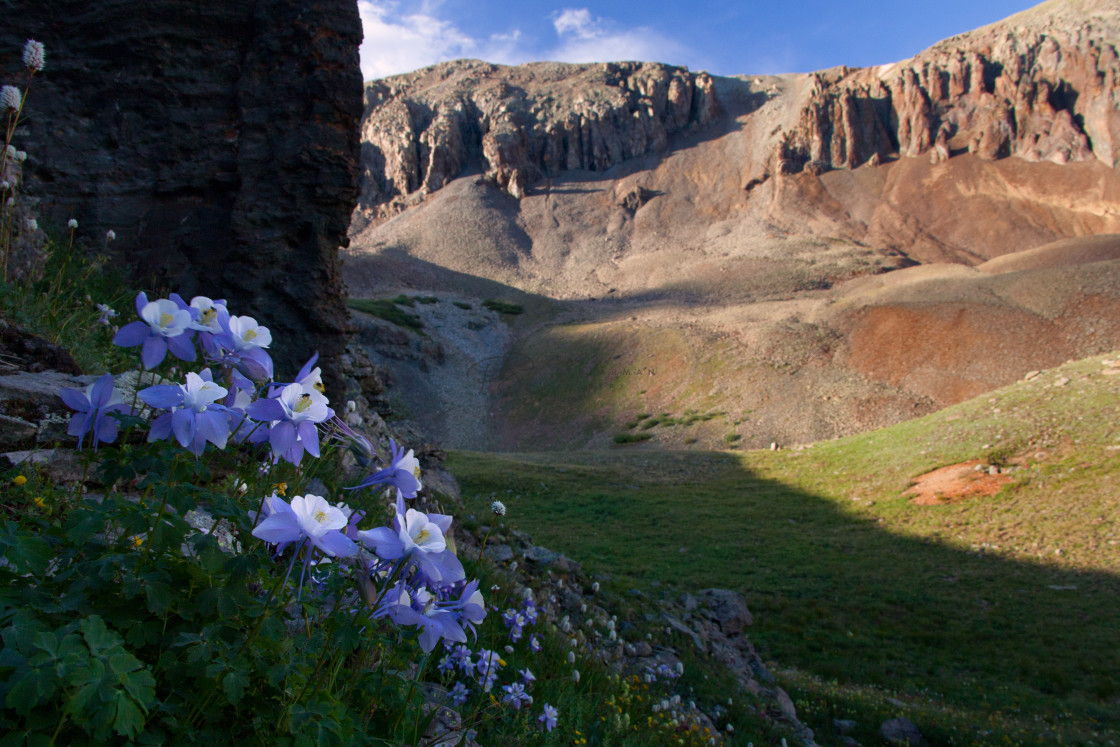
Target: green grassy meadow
point(992, 620)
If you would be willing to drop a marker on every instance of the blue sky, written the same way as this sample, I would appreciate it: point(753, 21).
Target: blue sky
point(725, 37)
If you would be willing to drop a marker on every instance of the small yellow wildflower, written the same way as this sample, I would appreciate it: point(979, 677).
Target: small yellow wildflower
point(281, 488)
point(40, 502)
point(20, 480)
point(137, 541)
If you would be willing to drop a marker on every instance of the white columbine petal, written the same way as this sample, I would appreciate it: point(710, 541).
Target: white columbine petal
point(165, 318)
point(199, 393)
point(247, 334)
point(316, 516)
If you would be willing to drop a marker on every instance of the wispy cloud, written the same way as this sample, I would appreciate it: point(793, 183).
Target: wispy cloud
point(586, 38)
point(398, 41)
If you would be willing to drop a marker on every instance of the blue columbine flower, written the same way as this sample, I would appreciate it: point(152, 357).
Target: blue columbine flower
point(311, 518)
point(403, 473)
point(458, 694)
point(242, 343)
point(548, 717)
point(193, 413)
point(515, 695)
point(92, 405)
point(164, 327)
point(294, 413)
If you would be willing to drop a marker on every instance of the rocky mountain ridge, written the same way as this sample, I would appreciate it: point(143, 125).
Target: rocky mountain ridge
point(1027, 87)
point(519, 125)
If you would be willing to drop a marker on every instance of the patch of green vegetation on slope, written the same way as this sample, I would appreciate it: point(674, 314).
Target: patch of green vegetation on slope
point(992, 619)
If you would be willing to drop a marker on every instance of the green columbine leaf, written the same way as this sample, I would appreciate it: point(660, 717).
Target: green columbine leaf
point(234, 684)
point(26, 553)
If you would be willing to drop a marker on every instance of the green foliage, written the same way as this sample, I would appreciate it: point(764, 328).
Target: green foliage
point(389, 310)
point(503, 307)
point(993, 618)
point(632, 438)
point(61, 306)
point(463, 305)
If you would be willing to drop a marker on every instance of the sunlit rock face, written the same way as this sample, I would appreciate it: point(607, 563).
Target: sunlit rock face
point(519, 125)
point(1041, 86)
point(219, 141)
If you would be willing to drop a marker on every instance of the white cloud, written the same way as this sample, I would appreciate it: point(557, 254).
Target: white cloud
point(397, 41)
point(577, 23)
point(583, 38)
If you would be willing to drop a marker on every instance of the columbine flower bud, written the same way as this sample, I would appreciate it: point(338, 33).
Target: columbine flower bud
point(21, 155)
point(575, 675)
point(571, 657)
point(71, 224)
point(498, 508)
point(110, 235)
point(10, 98)
point(33, 54)
point(595, 588)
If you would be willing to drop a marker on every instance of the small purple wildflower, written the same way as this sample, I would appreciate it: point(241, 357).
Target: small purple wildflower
point(458, 694)
point(515, 695)
point(92, 405)
point(403, 473)
point(548, 717)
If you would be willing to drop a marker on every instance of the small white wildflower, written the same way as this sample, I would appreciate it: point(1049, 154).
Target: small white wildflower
point(595, 588)
point(575, 675)
point(242, 487)
point(509, 650)
point(32, 224)
point(583, 608)
point(21, 155)
point(11, 201)
point(498, 508)
point(5, 185)
point(351, 405)
point(110, 235)
point(10, 98)
point(730, 729)
point(528, 594)
point(610, 624)
point(33, 55)
point(613, 635)
point(571, 657)
point(71, 224)
point(680, 668)
point(513, 565)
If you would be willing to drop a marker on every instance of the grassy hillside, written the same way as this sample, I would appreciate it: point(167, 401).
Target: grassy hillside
point(990, 619)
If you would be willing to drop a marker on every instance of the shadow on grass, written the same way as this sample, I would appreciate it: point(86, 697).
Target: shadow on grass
point(981, 647)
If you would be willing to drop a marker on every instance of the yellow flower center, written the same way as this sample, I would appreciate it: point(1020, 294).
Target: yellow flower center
point(416, 471)
point(281, 488)
point(319, 386)
point(303, 402)
point(165, 319)
point(208, 315)
point(320, 516)
point(250, 334)
point(423, 535)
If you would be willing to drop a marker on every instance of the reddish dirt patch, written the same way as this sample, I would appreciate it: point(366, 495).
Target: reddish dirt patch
point(956, 482)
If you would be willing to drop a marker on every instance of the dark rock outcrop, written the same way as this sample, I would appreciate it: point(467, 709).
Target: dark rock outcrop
point(1029, 87)
point(218, 141)
point(518, 124)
